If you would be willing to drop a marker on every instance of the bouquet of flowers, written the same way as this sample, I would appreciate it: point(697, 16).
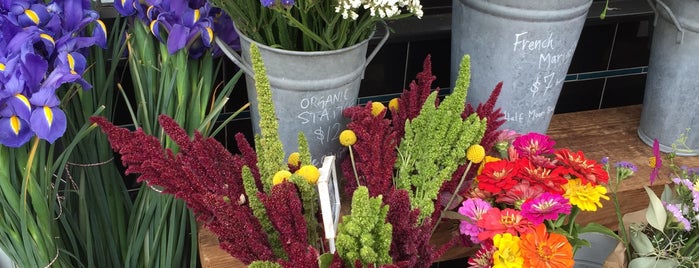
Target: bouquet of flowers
point(307, 25)
point(670, 235)
point(521, 208)
point(263, 207)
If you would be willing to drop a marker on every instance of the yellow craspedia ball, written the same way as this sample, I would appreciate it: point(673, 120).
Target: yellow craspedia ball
point(393, 105)
point(310, 173)
point(280, 176)
point(294, 159)
point(377, 108)
point(347, 137)
point(475, 153)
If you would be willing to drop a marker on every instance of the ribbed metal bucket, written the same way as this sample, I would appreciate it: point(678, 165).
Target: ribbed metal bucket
point(526, 44)
point(671, 98)
point(309, 90)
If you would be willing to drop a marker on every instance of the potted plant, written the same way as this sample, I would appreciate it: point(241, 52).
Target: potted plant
point(302, 43)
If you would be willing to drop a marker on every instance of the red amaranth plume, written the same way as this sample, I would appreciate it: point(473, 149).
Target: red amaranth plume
point(204, 174)
point(284, 207)
point(410, 241)
point(495, 118)
point(374, 152)
point(411, 101)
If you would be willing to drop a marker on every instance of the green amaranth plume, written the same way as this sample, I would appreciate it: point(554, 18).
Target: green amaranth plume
point(435, 144)
point(270, 154)
point(365, 235)
point(259, 211)
point(304, 150)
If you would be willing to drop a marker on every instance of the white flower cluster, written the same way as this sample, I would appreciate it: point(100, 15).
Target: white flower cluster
point(378, 8)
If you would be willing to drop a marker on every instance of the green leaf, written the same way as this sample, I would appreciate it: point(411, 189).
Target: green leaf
point(640, 242)
point(325, 260)
point(656, 214)
point(598, 228)
point(454, 215)
point(667, 195)
point(651, 262)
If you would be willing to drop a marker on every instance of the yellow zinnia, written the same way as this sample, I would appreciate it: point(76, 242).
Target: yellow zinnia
point(310, 173)
point(377, 108)
point(280, 176)
point(508, 253)
point(584, 196)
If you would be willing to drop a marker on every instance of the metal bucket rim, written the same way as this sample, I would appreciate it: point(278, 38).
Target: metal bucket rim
point(528, 14)
point(303, 53)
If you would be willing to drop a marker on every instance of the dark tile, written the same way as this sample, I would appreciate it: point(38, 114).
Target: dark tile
point(462, 262)
point(385, 73)
point(624, 90)
point(227, 136)
point(440, 53)
point(594, 47)
point(632, 45)
point(580, 96)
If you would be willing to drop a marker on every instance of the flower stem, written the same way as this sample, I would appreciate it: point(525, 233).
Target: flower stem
point(354, 167)
point(28, 169)
point(453, 196)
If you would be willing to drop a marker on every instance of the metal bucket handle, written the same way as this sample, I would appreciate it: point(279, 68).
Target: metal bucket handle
point(678, 25)
point(238, 60)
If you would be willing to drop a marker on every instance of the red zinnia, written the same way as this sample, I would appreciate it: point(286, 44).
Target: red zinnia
point(549, 178)
point(496, 221)
point(497, 176)
point(581, 167)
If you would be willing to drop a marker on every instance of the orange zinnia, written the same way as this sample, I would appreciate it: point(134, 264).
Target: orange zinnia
point(542, 249)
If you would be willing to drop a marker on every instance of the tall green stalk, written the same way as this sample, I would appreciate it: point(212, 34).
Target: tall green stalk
point(163, 231)
point(97, 204)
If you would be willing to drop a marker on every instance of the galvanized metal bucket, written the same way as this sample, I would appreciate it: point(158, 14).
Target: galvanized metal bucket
point(526, 44)
point(309, 90)
point(671, 98)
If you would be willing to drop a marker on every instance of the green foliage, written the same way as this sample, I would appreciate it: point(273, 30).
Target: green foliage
point(365, 235)
point(261, 213)
point(435, 144)
point(270, 154)
point(304, 150)
point(309, 197)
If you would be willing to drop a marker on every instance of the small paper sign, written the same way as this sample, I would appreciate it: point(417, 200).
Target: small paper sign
point(329, 198)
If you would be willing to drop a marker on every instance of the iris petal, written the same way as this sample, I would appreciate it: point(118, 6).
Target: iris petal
point(49, 123)
point(177, 38)
point(14, 131)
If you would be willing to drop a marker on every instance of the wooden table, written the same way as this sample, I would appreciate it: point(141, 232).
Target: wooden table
point(598, 133)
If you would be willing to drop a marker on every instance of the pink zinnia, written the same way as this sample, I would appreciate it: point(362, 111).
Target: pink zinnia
point(533, 144)
point(473, 208)
point(547, 206)
point(520, 193)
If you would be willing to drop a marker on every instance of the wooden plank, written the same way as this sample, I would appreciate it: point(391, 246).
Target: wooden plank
point(598, 133)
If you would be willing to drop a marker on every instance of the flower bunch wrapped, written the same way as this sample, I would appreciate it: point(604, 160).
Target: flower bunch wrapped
point(521, 209)
point(175, 70)
point(669, 236)
point(306, 25)
point(43, 48)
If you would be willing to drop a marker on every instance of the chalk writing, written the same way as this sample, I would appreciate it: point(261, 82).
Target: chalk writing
point(528, 116)
point(327, 134)
point(524, 44)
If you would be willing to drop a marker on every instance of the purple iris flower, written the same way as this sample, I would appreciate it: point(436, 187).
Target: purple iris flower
point(41, 46)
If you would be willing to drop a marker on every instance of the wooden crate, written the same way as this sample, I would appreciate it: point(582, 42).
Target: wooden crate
point(598, 133)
